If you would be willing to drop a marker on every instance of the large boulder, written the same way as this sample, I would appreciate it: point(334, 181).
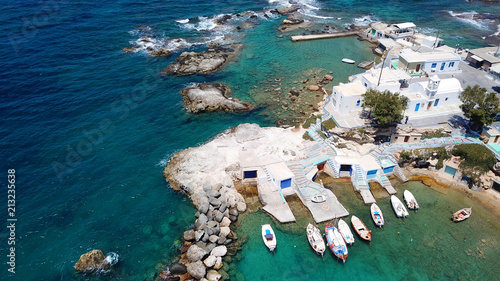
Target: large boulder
point(197, 269)
point(189, 235)
point(286, 10)
point(92, 261)
point(195, 253)
point(208, 97)
point(219, 251)
point(201, 221)
point(225, 222)
point(213, 275)
point(210, 261)
point(178, 269)
point(241, 207)
point(224, 231)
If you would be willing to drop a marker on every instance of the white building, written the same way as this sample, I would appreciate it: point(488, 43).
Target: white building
point(434, 94)
point(430, 97)
point(347, 97)
point(393, 31)
point(430, 62)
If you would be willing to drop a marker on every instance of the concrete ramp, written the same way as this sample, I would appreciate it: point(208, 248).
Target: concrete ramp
point(328, 210)
point(367, 196)
point(274, 203)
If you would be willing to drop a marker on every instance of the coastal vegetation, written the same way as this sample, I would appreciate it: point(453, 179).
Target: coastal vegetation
point(479, 106)
point(478, 159)
point(310, 121)
point(439, 153)
point(434, 134)
point(385, 107)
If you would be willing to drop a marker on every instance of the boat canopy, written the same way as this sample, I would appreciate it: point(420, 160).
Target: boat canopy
point(405, 25)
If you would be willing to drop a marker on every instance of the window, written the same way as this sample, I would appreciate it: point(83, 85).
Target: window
point(445, 99)
point(366, 85)
point(436, 102)
point(358, 102)
point(451, 64)
point(434, 65)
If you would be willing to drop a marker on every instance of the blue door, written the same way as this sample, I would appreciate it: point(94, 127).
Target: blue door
point(286, 183)
point(442, 65)
point(436, 102)
point(389, 169)
point(371, 174)
point(417, 106)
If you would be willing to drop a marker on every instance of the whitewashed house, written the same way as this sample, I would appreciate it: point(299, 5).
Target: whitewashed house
point(416, 63)
point(394, 31)
point(347, 97)
point(434, 94)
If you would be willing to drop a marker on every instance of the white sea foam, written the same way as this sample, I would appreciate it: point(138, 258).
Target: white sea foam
point(498, 31)
point(469, 18)
point(183, 21)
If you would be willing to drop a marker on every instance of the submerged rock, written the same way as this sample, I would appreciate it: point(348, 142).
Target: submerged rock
point(286, 10)
point(178, 268)
point(92, 261)
point(212, 97)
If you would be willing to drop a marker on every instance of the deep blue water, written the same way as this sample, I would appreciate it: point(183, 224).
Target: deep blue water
point(88, 128)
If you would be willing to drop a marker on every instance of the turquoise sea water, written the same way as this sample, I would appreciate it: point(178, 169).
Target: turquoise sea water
point(426, 245)
point(89, 129)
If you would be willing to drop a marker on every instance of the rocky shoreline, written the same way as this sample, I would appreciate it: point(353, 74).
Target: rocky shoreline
point(212, 97)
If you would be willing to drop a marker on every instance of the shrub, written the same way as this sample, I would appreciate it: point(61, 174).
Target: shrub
point(476, 158)
point(306, 136)
point(434, 134)
point(329, 124)
point(309, 121)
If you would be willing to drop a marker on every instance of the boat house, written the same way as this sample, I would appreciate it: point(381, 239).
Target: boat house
point(484, 58)
point(394, 31)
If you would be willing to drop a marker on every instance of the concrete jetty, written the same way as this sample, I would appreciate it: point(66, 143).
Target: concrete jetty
point(297, 38)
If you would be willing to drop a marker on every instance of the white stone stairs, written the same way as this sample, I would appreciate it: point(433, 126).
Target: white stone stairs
point(399, 173)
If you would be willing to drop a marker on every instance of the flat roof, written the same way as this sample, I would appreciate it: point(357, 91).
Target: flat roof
point(389, 76)
point(350, 89)
point(280, 171)
point(405, 25)
point(495, 68)
point(412, 56)
point(368, 163)
point(486, 53)
point(248, 158)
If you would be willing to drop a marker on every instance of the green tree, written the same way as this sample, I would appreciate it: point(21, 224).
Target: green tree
point(479, 106)
point(385, 107)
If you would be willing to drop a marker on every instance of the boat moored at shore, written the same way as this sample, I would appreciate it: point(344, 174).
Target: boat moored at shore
point(410, 200)
point(361, 229)
point(377, 216)
point(315, 239)
point(398, 207)
point(345, 231)
point(461, 215)
point(335, 242)
point(268, 237)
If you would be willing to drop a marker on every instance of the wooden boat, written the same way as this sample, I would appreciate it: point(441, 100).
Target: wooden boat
point(345, 231)
point(462, 214)
point(268, 236)
point(398, 207)
point(410, 200)
point(335, 241)
point(361, 229)
point(346, 60)
point(315, 239)
point(377, 216)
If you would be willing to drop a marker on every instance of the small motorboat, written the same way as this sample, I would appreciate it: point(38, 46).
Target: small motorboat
point(398, 207)
point(268, 236)
point(377, 216)
point(315, 239)
point(318, 198)
point(335, 241)
point(410, 200)
point(345, 60)
point(345, 231)
point(361, 229)
point(462, 214)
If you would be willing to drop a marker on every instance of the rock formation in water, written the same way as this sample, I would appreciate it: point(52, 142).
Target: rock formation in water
point(92, 261)
point(201, 63)
point(212, 97)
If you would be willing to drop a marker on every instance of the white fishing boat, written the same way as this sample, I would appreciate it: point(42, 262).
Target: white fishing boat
point(268, 236)
point(319, 198)
point(361, 229)
point(377, 216)
point(315, 239)
point(462, 214)
point(345, 231)
point(346, 60)
point(398, 207)
point(335, 241)
point(410, 200)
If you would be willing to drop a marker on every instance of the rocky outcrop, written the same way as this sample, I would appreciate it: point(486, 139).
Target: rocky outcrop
point(92, 261)
point(286, 10)
point(212, 97)
point(201, 63)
